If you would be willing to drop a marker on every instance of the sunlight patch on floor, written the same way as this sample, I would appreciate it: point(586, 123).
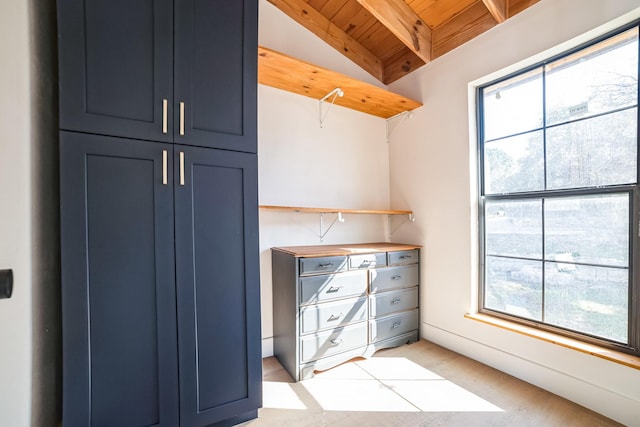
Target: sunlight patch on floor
point(356, 395)
point(391, 384)
point(280, 395)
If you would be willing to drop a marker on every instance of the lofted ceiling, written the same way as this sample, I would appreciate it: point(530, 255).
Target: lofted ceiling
point(391, 38)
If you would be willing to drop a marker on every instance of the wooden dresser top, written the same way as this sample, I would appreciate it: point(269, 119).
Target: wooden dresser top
point(348, 249)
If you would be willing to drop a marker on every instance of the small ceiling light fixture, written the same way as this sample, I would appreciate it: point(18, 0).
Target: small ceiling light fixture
point(337, 92)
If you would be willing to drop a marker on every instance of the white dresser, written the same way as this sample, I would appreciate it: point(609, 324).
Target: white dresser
point(335, 302)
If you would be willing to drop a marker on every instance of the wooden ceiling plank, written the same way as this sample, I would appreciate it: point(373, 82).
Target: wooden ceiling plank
point(314, 21)
point(344, 17)
point(383, 43)
point(401, 64)
point(331, 8)
point(402, 21)
point(497, 9)
point(436, 12)
point(317, 4)
point(284, 72)
point(468, 24)
point(363, 21)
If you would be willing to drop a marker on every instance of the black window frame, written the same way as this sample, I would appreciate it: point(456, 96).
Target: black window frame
point(633, 190)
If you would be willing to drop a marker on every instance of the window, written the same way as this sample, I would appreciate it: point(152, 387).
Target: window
point(559, 194)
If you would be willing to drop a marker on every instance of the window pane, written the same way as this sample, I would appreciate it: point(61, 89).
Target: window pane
point(514, 164)
point(514, 228)
point(595, 80)
point(514, 286)
point(593, 152)
point(513, 106)
point(592, 230)
point(592, 300)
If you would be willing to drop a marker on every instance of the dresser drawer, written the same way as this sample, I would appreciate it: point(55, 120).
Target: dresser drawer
point(328, 287)
point(390, 326)
point(384, 279)
point(403, 257)
point(365, 261)
point(322, 265)
point(332, 342)
point(332, 314)
point(393, 301)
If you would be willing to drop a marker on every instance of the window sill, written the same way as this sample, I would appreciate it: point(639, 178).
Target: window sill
point(593, 350)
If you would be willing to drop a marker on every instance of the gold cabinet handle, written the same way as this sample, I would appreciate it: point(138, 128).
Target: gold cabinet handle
point(165, 107)
point(164, 167)
point(181, 118)
point(181, 168)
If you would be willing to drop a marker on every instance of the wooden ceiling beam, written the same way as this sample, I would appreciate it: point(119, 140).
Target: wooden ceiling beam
point(302, 12)
point(497, 9)
point(404, 23)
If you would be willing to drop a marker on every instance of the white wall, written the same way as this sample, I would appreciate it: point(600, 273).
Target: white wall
point(29, 242)
point(15, 208)
point(345, 164)
point(433, 171)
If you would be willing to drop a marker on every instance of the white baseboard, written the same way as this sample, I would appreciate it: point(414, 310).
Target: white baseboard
point(267, 347)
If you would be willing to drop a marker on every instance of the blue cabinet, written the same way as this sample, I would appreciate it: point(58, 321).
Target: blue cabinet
point(159, 212)
point(216, 223)
point(118, 294)
point(215, 85)
point(182, 71)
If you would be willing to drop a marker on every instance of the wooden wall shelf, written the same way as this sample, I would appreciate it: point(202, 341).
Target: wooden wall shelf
point(339, 212)
point(287, 73)
point(335, 210)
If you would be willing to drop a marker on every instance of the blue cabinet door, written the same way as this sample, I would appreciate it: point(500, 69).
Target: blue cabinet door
point(217, 280)
point(118, 283)
point(182, 71)
point(216, 45)
point(116, 67)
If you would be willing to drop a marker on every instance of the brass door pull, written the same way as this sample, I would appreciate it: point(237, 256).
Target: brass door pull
point(181, 168)
point(165, 106)
point(164, 167)
point(181, 118)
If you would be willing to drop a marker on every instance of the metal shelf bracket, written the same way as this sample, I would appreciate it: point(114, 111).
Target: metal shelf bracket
point(405, 115)
point(410, 218)
point(338, 218)
point(337, 92)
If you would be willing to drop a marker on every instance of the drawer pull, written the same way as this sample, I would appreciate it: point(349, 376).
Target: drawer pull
point(328, 264)
point(333, 289)
point(396, 277)
point(405, 256)
point(396, 325)
point(396, 301)
point(335, 317)
point(336, 341)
